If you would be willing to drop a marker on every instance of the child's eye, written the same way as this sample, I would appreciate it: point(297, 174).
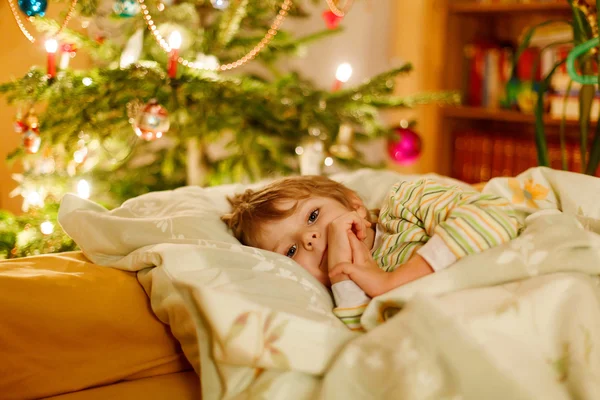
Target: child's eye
point(292, 251)
point(313, 216)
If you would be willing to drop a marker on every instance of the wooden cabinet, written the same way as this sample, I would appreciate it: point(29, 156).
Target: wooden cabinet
point(446, 27)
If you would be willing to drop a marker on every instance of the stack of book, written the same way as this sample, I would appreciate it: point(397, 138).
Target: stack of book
point(480, 156)
point(516, 1)
point(487, 70)
point(491, 80)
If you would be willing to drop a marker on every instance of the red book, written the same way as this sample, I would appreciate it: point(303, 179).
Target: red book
point(477, 54)
point(527, 60)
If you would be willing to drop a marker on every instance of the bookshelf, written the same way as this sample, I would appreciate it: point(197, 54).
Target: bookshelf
point(461, 22)
point(507, 116)
point(462, 7)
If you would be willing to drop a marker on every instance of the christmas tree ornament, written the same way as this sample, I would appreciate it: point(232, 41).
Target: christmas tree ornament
point(405, 146)
point(331, 20)
point(33, 8)
point(343, 144)
point(126, 8)
point(311, 153)
point(133, 49)
point(31, 121)
point(68, 51)
point(149, 121)
point(19, 125)
point(80, 155)
point(31, 141)
point(220, 4)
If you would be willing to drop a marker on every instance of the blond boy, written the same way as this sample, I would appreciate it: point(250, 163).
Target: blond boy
point(422, 227)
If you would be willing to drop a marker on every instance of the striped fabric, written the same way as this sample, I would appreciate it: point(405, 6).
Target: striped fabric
point(467, 222)
point(351, 316)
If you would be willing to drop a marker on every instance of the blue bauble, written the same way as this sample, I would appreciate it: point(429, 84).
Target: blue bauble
point(126, 8)
point(220, 4)
point(33, 8)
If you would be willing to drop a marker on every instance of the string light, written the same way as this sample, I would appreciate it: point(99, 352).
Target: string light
point(24, 30)
point(285, 7)
point(47, 227)
point(87, 81)
point(328, 161)
point(340, 12)
point(33, 198)
point(83, 189)
point(343, 72)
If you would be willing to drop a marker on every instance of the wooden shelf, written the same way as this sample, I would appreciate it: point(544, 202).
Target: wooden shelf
point(497, 8)
point(489, 114)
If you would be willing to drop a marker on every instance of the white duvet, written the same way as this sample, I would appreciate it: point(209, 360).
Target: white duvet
point(520, 321)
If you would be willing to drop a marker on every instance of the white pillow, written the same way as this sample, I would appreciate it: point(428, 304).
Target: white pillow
point(184, 215)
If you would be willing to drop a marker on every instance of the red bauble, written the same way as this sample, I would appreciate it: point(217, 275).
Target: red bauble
point(151, 121)
point(331, 20)
point(405, 147)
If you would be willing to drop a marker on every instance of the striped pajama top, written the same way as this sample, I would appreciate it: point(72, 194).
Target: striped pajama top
point(467, 222)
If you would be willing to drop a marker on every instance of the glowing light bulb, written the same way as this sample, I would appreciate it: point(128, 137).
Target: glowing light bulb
point(87, 81)
point(343, 72)
point(51, 45)
point(47, 227)
point(175, 40)
point(328, 161)
point(34, 198)
point(83, 189)
point(299, 150)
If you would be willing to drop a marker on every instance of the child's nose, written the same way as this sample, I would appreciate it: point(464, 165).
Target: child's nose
point(309, 239)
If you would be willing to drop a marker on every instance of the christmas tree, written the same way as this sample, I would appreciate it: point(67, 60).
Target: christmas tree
point(170, 101)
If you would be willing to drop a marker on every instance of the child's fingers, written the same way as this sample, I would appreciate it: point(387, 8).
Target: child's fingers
point(340, 269)
point(360, 226)
point(360, 252)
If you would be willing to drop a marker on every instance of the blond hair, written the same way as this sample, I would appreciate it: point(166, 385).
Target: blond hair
point(253, 208)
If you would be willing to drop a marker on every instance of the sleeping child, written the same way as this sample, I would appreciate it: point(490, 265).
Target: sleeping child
point(421, 228)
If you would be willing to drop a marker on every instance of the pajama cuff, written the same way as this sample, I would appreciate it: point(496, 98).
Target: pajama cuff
point(348, 294)
point(437, 253)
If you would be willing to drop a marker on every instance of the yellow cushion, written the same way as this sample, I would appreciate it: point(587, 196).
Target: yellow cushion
point(67, 324)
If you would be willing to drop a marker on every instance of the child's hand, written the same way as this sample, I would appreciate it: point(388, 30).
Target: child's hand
point(339, 249)
point(362, 269)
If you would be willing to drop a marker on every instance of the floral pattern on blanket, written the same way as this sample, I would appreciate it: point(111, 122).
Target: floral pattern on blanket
point(528, 192)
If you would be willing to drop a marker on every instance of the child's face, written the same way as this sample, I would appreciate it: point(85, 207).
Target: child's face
point(302, 236)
